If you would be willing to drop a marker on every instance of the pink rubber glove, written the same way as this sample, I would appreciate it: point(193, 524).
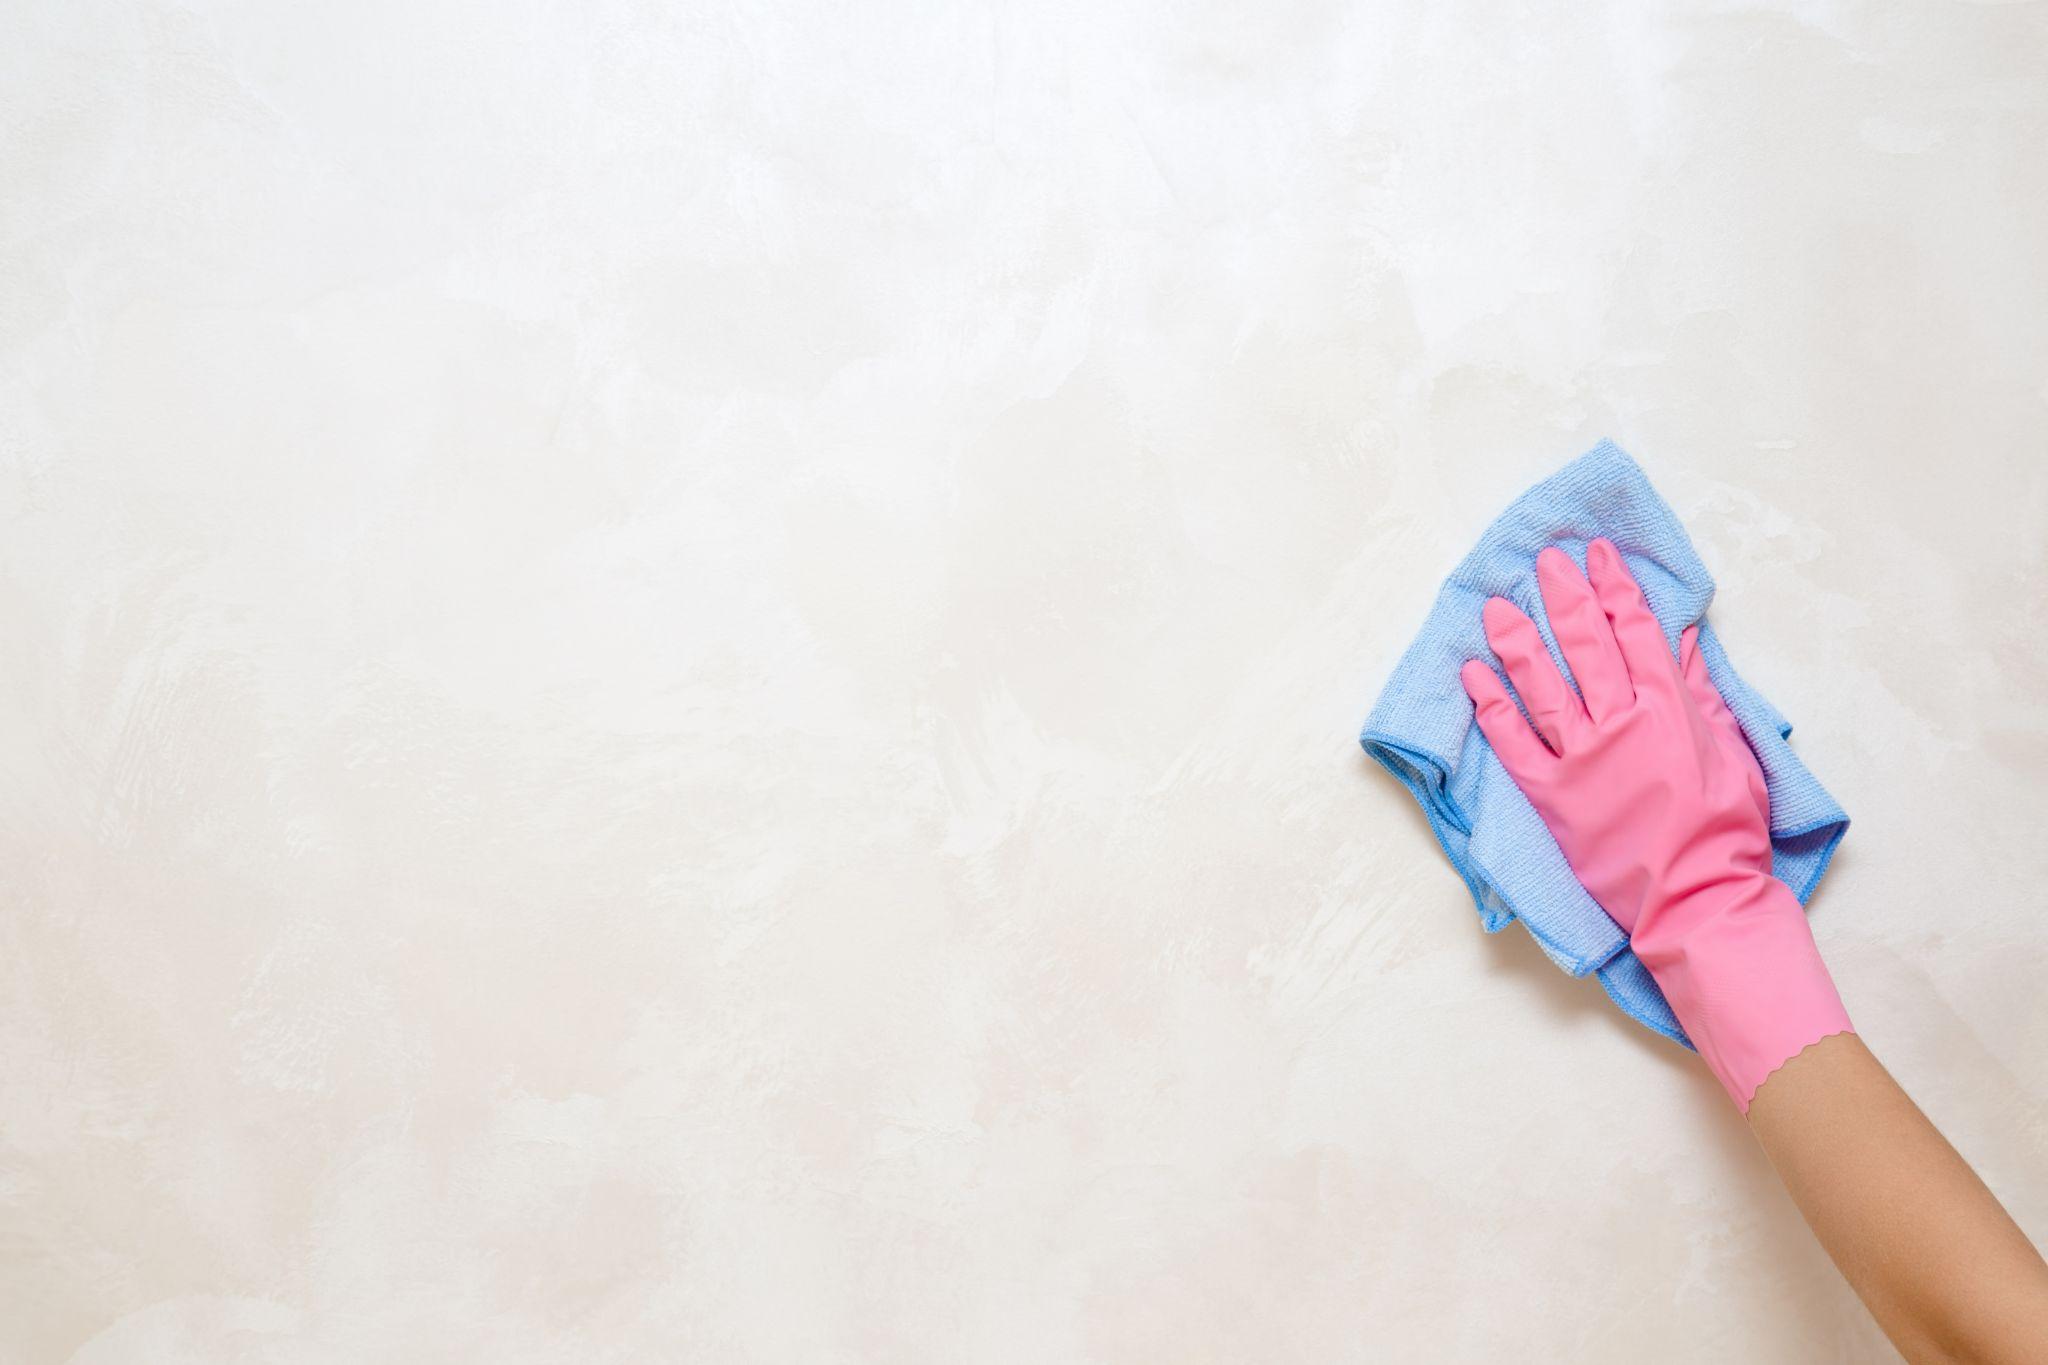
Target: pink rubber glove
point(1650, 789)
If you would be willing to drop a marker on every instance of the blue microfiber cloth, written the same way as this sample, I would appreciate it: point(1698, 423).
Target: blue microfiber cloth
point(1422, 729)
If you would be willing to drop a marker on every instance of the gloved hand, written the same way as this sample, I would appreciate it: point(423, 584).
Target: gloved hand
point(1646, 782)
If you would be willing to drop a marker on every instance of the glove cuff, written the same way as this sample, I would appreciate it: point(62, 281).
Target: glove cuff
point(1740, 968)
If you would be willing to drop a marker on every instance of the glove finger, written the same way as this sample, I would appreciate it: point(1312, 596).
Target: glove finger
point(1584, 634)
point(1521, 753)
point(1692, 665)
point(1636, 632)
point(1552, 705)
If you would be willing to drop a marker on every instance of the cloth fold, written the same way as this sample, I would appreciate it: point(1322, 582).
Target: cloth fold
point(1421, 728)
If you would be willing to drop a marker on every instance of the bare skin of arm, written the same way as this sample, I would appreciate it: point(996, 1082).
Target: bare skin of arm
point(1939, 1263)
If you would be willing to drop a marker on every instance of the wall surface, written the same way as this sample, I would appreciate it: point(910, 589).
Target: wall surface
point(679, 682)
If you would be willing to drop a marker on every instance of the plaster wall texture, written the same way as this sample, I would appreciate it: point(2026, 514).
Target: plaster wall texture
point(679, 682)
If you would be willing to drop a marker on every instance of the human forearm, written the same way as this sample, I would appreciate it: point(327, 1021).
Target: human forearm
point(1929, 1250)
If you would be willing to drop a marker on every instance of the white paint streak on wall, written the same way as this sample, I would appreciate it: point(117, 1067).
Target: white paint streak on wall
point(678, 681)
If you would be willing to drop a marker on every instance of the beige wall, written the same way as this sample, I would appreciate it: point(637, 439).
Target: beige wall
point(681, 685)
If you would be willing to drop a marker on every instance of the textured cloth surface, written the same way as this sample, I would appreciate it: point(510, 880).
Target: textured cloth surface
point(1422, 729)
